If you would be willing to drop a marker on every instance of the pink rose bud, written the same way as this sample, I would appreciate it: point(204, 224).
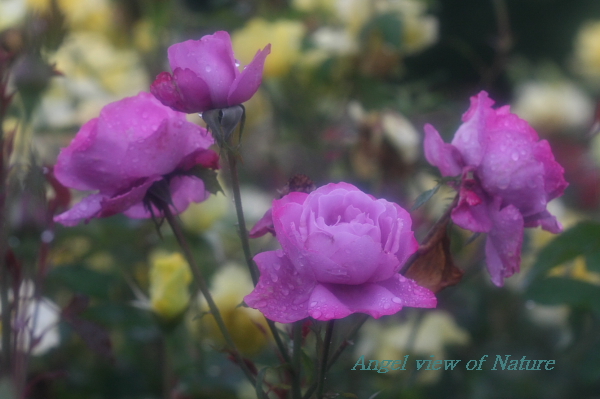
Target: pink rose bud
point(134, 143)
point(341, 253)
point(508, 177)
point(206, 75)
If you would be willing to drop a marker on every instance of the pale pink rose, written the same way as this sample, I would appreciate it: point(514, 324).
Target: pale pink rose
point(341, 253)
point(135, 143)
point(206, 75)
point(508, 177)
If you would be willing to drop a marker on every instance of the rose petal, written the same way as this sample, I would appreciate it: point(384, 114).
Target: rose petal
point(211, 59)
point(471, 135)
point(442, 155)
point(554, 181)
point(195, 91)
point(334, 301)
point(86, 209)
point(166, 91)
point(503, 245)
point(247, 83)
point(263, 226)
point(281, 294)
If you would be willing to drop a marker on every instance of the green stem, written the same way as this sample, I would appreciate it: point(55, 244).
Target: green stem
point(243, 233)
point(237, 197)
point(324, 358)
point(203, 287)
point(347, 341)
point(296, 359)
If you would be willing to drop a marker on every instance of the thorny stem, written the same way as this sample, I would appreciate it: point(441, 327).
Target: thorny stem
point(237, 197)
point(296, 357)
point(243, 233)
point(203, 287)
point(324, 358)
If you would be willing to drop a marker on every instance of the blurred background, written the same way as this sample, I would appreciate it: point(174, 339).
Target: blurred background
point(346, 91)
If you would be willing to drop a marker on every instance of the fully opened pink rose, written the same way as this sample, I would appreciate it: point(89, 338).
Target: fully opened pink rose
point(341, 253)
point(134, 144)
point(206, 75)
point(508, 177)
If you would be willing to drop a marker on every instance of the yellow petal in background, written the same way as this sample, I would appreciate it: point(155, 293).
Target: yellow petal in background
point(285, 37)
point(169, 280)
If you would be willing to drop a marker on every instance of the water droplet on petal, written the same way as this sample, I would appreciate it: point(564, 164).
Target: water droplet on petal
point(313, 303)
point(386, 306)
point(515, 156)
point(316, 314)
point(274, 277)
point(397, 300)
point(260, 304)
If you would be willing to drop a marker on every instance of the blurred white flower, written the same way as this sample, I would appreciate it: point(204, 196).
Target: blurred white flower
point(36, 321)
point(554, 106)
point(335, 41)
point(12, 12)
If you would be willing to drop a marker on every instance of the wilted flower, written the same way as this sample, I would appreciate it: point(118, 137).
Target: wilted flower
point(206, 76)
point(342, 250)
point(285, 37)
point(134, 144)
point(508, 178)
point(169, 279)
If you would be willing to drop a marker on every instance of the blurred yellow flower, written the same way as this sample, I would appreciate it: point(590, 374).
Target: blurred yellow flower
point(433, 333)
point(247, 326)
point(95, 73)
point(169, 280)
point(199, 217)
point(285, 37)
point(587, 50)
point(80, 14)
point(577, 270)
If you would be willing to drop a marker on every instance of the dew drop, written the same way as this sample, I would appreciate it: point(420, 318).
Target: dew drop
point(274, 277)
point(208, 68)
point(260, 304)
point(515, 156)
point(316, 314)
point(313, 303)
point(396, 300)
point(386, 306)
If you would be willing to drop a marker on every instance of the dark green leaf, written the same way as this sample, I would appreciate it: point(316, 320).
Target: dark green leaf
point(424, 197)
point(82, 280)
point(209, 177)
point(583, 239)
point(559, 290)
point(389, 26)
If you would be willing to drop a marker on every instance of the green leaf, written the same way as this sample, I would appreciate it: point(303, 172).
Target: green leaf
point(582, 239)
point(209, 177)
point(424, 197)
point(389, 26)
point(560, 290)
point(83, 280)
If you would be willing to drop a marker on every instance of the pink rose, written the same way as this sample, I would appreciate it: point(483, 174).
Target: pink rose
point(134, 144)
point(206, 75)
point(508, 177)
point(342, 250)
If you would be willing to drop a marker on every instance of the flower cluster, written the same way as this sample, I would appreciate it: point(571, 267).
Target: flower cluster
point(508, 177)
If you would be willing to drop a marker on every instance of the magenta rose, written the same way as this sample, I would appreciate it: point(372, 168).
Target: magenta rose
point(206, 75)
point(508, 177)
point(341, 253)
point(134, 144)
